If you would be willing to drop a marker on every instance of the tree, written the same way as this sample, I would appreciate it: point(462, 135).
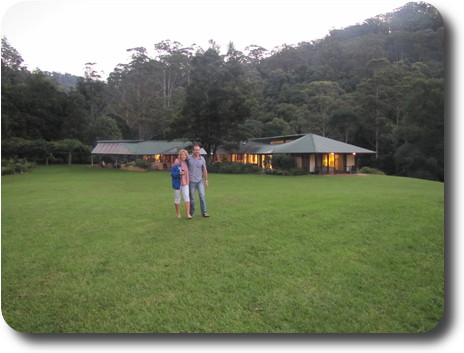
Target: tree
point(254, 127)
point(106, 128)
point(92, 89)
point(68, 147)
point(175, 60)
point(422, 131)
point(414, 17)
point(323, 100)
point(276, 127)
point(12, 64)
point(33, 109)
point(217, 102)
point(372, 109)
point(76, 123)
point(256, 54)
point(345, 123)
point(137, 96)
point(10, 56)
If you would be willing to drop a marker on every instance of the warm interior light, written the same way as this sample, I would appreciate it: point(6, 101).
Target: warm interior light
point(328, 160)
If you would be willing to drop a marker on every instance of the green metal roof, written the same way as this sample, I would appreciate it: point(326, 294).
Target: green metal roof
point(139, 148)
point(270, 139)
point(309, 143)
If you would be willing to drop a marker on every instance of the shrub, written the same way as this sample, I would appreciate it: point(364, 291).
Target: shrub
point(370, 170)
point(16, 166)
point(269, 171)
point(142, 163)
point(297, 171)
point(226, 167)
point(283, 161)
point(291, 171)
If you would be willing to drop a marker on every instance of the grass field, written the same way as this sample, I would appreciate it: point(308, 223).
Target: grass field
point(91, 250)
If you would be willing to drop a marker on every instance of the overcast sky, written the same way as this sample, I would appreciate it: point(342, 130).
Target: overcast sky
point(64, 35)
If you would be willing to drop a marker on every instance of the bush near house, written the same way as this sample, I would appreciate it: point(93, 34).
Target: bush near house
point(16, 166)
point(283, 161)
point(285, 172)
point(226, 167)
point(282, 164)
point(370, 170)
point(143, 163)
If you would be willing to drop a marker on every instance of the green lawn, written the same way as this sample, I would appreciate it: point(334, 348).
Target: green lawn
point(91, 250)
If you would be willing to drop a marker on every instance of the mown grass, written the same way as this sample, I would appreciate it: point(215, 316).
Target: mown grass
point(90, 250)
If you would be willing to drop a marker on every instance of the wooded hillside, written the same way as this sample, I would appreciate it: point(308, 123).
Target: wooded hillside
point(379, 85)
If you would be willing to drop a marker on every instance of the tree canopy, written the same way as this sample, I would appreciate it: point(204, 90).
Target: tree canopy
point(217, 101)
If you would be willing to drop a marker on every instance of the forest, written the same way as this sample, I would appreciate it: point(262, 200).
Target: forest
point(377, 84)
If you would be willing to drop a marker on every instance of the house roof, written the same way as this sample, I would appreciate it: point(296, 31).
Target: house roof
point(308, 143)
point(140, 148)
point(110, 148)
point(284, 138)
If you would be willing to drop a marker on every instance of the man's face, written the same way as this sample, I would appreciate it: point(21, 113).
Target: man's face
point(196, 151)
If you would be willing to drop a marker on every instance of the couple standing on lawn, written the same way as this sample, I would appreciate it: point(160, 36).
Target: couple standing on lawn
point(187, 176)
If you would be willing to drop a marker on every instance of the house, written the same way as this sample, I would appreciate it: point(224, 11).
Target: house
point(313, 153)
point(161, 153)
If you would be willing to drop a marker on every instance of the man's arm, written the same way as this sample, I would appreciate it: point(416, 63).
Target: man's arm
point(205, 175)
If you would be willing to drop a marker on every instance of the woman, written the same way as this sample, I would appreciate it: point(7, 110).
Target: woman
point(180, 182)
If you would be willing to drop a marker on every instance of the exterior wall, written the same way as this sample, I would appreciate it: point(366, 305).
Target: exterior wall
point(312, 163)
point(327, 163)
point(257, 159)
point(161, 161)
point(305, 161)
point(350, 160)
point(223, 157)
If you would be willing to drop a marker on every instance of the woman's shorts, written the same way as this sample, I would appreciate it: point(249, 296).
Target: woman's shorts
point(185, 193)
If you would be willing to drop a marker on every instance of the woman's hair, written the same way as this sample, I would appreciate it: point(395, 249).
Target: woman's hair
point(182, 152)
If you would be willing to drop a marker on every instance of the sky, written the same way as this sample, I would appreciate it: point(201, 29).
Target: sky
point(63, 36)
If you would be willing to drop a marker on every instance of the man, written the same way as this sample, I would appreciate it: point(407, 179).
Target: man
point(197, 171)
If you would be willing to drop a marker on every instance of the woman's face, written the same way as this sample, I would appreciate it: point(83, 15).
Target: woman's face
point(183, 156)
